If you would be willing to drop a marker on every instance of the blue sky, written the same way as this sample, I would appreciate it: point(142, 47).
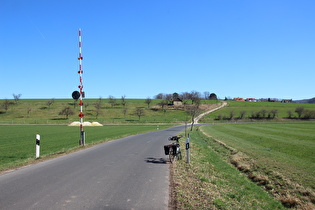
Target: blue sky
point(139, 48)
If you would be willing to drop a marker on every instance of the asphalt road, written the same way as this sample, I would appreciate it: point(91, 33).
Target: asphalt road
point(128, 173)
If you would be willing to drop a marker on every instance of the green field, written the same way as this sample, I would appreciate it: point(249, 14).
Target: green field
point(274, 146)
point(278, 157)
point(17, 142)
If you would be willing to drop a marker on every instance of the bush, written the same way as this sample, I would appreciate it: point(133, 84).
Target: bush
point(308, 114)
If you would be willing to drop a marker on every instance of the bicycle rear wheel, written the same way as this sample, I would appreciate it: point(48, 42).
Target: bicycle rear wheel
point(171, 155)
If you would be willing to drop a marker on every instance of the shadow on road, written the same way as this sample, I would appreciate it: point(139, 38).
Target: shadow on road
point(156, 160)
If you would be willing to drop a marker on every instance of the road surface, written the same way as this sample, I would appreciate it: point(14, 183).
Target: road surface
point(128, 173)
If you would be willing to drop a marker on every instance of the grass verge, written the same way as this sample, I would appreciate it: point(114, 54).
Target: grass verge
point(209, 182)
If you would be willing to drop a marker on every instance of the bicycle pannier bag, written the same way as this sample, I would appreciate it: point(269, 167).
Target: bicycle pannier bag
point(166, 149)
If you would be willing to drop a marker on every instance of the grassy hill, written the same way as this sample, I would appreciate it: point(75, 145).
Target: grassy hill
point(47, 111)
point(40, 111)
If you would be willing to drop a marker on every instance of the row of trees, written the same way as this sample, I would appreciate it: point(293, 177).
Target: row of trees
point(259, 115)
point(98, 106)
point(193, 95)
point(7, 103)
point(301, 112)
point(191, 110)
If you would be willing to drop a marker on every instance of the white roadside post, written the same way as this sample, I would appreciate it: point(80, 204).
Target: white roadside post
point(187, 150)
point(37, 145)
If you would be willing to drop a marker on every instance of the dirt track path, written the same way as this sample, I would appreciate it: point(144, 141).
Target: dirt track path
point(224, 103)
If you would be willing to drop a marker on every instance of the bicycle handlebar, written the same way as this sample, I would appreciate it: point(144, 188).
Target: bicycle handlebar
point(174, 138)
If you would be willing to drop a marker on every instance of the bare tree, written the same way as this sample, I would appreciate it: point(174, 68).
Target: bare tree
point(273, 113)
point(112, 100)
point(299, 110)
point(98, 105)
point(242, 114)
point(164, 111)
point(290, 114)
point(195, 100)
point(195, 96)
point(29, 110)
point(139, 112)
point(263, 113)
point(17, 97)
point(308, 114)
point(169, 98)
point(219, 117)
point(86, 104)
point(125, 110)
point(159, 96)
point(162, 104)
point(185, 96)
point(148, 101)
point(254, 115)
point(6, 104)
point(123, 100)
point(66, 111)
point(50, 102)
point(193, 111)
point(231, 114)
point(206, 95)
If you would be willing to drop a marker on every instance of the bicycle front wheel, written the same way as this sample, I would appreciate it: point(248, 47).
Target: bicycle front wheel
point(179, 155)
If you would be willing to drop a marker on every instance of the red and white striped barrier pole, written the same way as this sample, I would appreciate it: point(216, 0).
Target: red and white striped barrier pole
point(80, 58)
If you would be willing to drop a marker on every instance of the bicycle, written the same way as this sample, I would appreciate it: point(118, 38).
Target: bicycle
point(173, 149)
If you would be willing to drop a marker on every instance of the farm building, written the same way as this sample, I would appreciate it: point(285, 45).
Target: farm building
point(286, 101)
point(251, 99)
point(177, 102)
point(239, 99)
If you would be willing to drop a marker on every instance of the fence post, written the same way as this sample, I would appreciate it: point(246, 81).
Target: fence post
point(187, 150)
point(37, 145)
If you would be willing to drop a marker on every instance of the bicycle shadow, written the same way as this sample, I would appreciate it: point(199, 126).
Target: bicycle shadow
point(156, 160)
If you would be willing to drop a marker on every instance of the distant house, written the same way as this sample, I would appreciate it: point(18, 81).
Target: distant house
point(251, 99)
point(239, 99)
point(177, 102)
point(286, 101)
point(263, 100)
